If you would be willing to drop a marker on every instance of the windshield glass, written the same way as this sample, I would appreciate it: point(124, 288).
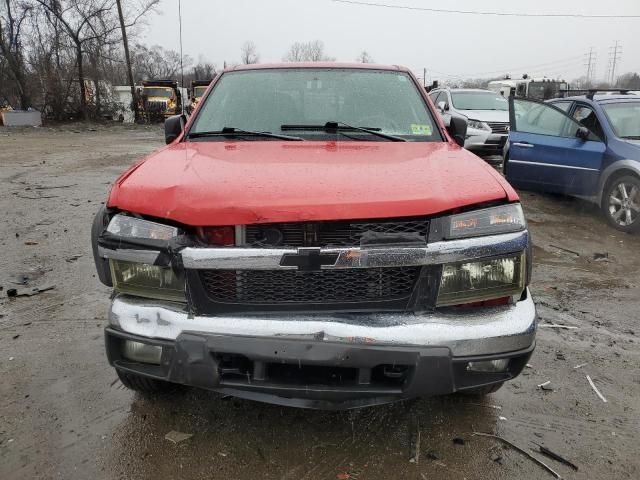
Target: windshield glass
point(545, 90)
point(199, 91)
point(624, 119)
point(265, 100)
point(479, 101)
point(158, 92)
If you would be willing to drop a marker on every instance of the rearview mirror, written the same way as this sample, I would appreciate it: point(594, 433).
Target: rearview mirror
point(173, 127)
point(458, 130)
point(583, 133)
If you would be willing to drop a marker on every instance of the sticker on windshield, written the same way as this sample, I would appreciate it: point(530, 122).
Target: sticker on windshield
point(418, 129)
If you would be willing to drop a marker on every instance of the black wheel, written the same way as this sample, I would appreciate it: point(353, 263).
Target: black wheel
point(144, 384)
point(482, 391)
point(621, 203)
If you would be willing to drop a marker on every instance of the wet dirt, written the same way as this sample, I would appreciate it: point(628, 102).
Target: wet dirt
point(64, 415)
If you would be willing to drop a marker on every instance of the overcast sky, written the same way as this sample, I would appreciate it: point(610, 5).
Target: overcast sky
point(448, 45)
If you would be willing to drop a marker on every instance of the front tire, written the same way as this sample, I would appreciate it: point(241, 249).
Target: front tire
point(144, 385)
point(621, 203)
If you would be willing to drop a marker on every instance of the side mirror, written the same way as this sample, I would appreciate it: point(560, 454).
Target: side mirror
point(443, 106)
point(583, 133)
point(173, 127)
point(458, 130)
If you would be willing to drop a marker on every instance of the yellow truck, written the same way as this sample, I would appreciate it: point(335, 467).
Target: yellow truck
point(198, 87)
point(160, 99)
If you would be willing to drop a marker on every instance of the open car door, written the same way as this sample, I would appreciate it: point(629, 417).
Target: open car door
point(550, 151)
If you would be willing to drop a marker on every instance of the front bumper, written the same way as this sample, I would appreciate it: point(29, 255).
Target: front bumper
point(328, 361)
point(485, 140)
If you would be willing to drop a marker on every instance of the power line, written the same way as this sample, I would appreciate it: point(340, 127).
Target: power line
point(487, 13)
point(591, 65)
point(615, 53)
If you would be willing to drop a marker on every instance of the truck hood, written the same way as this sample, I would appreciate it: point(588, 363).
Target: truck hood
point(243, 182)
point(487, 115)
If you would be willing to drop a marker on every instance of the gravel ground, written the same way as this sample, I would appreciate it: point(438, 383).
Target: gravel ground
point(64, 415)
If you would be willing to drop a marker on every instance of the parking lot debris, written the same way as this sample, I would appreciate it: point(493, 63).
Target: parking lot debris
point(580, 366)
point(459, 441)
point(497, 458)
point(29, 292)
point(73, 258)
point(565, 250)
point(601, 257)
point(556, 325)
point(560, 356)
point(431, 455)
point(15, 337)
point(30, 243)
point(544, 384)
point(595, 389)
point(558, 458)
point(522, 451)
point(177, 437)
point(414, 441)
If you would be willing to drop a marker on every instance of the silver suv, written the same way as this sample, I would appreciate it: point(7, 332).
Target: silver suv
point(486, 114)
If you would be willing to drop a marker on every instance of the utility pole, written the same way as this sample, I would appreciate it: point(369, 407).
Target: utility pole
point(424, 77)
point(127, 58)
point(591, 66)
point(615, 53)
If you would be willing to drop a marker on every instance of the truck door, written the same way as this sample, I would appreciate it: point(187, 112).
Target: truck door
point(545, 152)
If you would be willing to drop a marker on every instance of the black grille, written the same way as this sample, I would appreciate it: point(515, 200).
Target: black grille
point(155, 106)
point(337, 234)
point(499, 127)
point(272, 287)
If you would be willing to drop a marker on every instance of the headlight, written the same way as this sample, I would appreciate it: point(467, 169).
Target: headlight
point(132, 227)
point(147, 281)
point(488, 221)
point(478, 125)
point(481, 280)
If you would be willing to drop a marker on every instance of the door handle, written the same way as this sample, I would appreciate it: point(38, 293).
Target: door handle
point(523, 145)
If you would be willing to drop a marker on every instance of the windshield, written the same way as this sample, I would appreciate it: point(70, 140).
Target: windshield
point(265, 100)
point(158, 92)
point(199, 91)
point(479, 101)
point(624, 118)
point(545, 90)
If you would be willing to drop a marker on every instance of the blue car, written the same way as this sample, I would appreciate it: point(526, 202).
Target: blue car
point(584, 146)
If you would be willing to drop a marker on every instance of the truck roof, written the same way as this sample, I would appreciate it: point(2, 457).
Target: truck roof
point(363, 66)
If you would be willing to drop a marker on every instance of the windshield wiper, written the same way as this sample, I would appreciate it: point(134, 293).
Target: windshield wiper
point(238, 132)
point(341, 126)
point(631, 137)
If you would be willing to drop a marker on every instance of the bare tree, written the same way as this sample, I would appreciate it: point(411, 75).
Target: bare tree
point(11, 47)
point(249, 53)
point(203, 70)
point(307, 52)
point(153, 63)
point(364, 57)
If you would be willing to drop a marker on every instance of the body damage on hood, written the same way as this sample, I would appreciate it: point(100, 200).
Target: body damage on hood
point(232, 182)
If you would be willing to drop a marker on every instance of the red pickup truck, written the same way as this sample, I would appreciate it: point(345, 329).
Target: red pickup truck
point(314, 236)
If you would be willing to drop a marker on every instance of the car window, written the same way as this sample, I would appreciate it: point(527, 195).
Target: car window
point(543, 119)
point(435, 97)
point(564, 106)
point(266, 99)
point(479, 101)
point(624, 118)
point(588, 118)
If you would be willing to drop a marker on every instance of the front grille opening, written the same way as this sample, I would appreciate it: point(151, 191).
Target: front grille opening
point(300, 374)
point(266, 287)
point(347, 233)
point(232, 365)
point(391, 375)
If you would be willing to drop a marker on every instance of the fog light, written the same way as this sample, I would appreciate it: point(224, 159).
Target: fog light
point(489, 366)
point(141, 352)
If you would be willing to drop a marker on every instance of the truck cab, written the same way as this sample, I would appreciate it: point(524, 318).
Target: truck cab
point(160, 99)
